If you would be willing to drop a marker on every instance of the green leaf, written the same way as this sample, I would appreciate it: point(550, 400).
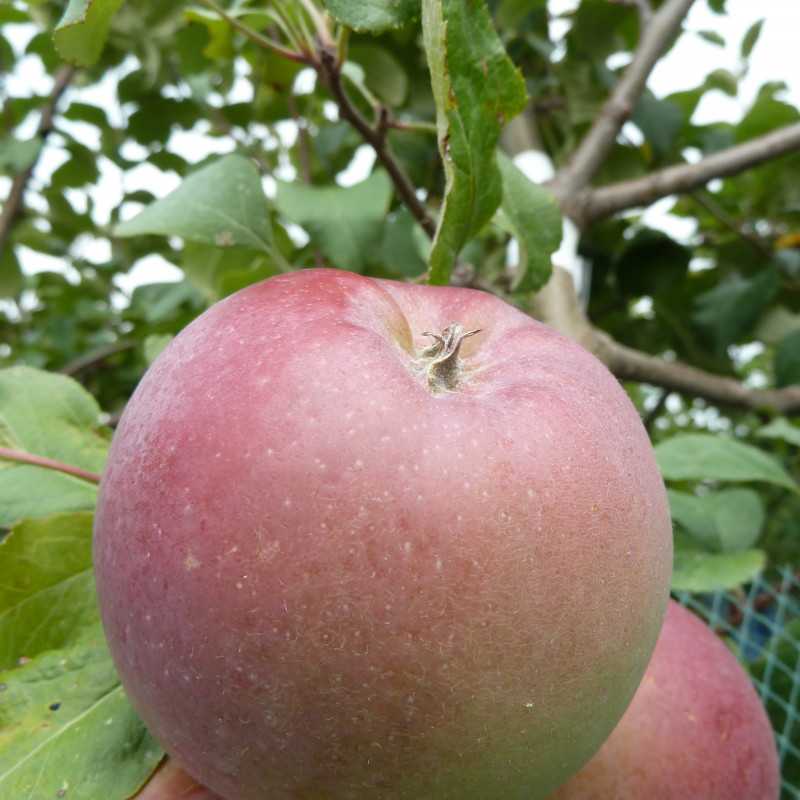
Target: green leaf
point(766, 114)
point(535, 220)
point(731, 309)
point(781, 428)
point(750, 38)
point(67, 728)
point(712, 37)
point(53, 416)
point(220, 32)
point(10, 14)
point(81, 34)
point(399, 251)
point(160, 302)
point(477, 89)
point(383, 73)
point(776, 323)
point(724, 80)
point(374, 16)
point(660, 121)
point(787, 360)
point(725, 521)
point(696, 570)
point(11, 279)
point(16, 155)
point(703, 456)
point(222, 204)
point(211, 268)
point(154, 345)
point(47, 568)
point(345, 223)
point(667, 264)
point(79, 169)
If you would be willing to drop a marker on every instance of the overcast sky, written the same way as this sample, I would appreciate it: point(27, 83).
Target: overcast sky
point(775, 58)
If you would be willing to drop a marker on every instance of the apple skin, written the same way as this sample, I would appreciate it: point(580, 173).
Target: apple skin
point(322, 580)
point(695, 729)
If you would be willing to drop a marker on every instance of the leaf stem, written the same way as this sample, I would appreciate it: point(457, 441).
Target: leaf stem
point(254, 36)
point(48, 463)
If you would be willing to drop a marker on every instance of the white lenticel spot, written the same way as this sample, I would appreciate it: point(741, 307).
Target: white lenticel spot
point(190, 562)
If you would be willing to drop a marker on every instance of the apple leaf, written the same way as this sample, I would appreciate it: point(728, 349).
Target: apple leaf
point(375, 16)
point(535, 221)
point(476, 89)
point(47, 593)
point(11, 278)
point(48, 415)
point(68, 730)
point(222, 204)
point(82, 31)
point(787, 360)
point(697, 570)
point(346, 223)
point(703, 456)
point(727, 521)
point(750, 38)
point(781, 428)
point(66, 727)
point(211, 269)
point(17, 155)
point(383, 73)
point(154, 345)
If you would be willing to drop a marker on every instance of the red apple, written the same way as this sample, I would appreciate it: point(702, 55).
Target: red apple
point(364, 539)
point(695, 729)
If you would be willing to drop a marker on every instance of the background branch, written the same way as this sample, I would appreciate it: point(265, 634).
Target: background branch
point(96, 357)
point(557, 305)
point(629, 364)
point(15, 202)
point(603, 202)
point(591, 152)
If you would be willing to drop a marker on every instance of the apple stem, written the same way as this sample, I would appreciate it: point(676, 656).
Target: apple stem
point(441, 358)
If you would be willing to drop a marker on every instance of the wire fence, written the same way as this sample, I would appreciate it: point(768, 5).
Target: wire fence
point(762, 625)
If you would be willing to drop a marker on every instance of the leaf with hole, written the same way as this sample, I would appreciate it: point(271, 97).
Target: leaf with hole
point(477, 89)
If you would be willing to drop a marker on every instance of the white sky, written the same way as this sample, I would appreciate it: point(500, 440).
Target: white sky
point(774, 59)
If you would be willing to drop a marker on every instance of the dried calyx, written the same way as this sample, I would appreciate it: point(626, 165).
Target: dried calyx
point(440, 360)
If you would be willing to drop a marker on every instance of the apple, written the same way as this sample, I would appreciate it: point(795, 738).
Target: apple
point(366, 539)
point(695, 729)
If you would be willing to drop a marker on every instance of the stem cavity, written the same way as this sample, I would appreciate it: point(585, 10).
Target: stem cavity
point(440, 360)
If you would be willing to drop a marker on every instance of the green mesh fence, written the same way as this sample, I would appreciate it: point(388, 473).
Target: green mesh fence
point(762, 624)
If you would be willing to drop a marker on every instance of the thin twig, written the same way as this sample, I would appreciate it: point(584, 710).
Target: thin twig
point(329, 71)
point(14, 203)
point(89, 360)
point(607, 200)
point(594, 148)
point(707, 202)
point(48, 463)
